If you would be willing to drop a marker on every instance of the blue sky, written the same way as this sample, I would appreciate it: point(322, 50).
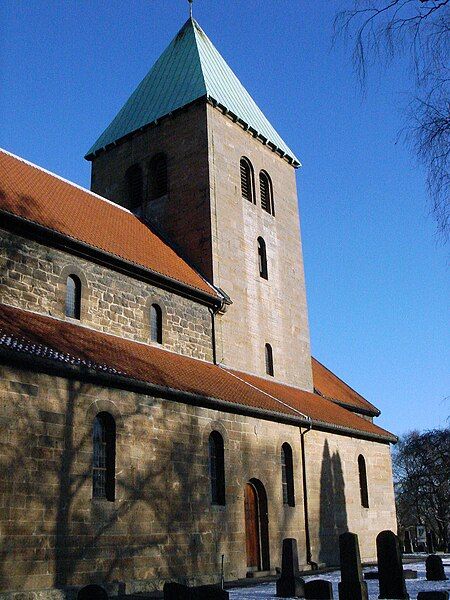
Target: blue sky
point(377, 276)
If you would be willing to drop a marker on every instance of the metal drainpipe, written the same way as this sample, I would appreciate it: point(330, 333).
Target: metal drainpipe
point(305, 497)
point(213, 334)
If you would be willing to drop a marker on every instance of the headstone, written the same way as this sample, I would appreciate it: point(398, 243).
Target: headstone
point(209, 592)
point(92, 592)
point(352, 584)
point(176, 591)
point(407, 543)
point(390, 567)
point(290, 584)
point(433, 595)
point(319, 589)
point(435, 568)
point(430, 542)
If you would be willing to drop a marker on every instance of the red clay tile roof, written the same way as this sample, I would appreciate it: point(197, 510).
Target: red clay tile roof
point(34, 194)
point(46, 337)
point(330, 386)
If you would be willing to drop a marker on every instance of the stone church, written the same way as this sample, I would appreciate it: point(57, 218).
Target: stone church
point(160, 411)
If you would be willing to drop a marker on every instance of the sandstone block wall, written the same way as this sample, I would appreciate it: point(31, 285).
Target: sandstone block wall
point(217, 230)
point(33, 277)
point(334, 499)
point(162, 524)
point(272, 311)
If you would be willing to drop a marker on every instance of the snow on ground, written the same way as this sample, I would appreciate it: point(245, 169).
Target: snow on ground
point(414, 586)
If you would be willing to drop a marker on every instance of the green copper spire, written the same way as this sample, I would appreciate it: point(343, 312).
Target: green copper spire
point(190, 68)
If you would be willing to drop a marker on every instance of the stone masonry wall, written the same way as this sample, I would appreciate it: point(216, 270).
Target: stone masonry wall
point(33, 277)
point(334, 499)
point(270, 311)
point(162, 525)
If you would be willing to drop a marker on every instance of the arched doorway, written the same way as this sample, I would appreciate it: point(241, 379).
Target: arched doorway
point(92, 592)
point(256, 526)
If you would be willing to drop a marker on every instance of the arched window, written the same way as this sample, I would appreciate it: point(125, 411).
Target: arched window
point(156, 323)
point(157, 177)
point(287, 475)
point(135, 187)
point(262, 258)
point(363, 481)
point(269, 359)
point(104, 457)
point(247, 180)
point(73, 297)
point(266, 191)
point(217, 468)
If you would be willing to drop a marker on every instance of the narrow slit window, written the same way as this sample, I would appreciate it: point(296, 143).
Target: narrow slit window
point(287, 475)
point(266, 193)
point(157, 177)
point(269, 360)
point(363, 481)
point(262, 258)
point(104, 457)
point(156, 323)
point(135, 187)
point(247, 180)
point(217, 468)
point(73, 297)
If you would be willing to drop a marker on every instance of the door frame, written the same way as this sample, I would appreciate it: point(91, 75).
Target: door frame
point(263, 523)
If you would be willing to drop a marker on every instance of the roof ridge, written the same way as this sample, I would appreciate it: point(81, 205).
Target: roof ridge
point(63, 179)
point(266, 393)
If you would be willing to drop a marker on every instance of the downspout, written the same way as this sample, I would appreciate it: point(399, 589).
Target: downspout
point(213, 334)
point(305, 497)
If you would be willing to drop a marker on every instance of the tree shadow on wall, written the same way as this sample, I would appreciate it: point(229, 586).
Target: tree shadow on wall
point(333, 510)
point(162, 489)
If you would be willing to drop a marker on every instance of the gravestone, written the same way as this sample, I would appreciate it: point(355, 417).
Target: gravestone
point(390, 567)
point(92, 592)
point(209, 592)
point(352, 584)
point(433, 595)
point(290, 584)
point(407, 543)
point(430, 542)
point(176, 591)
point(318, 589)
point(435, 568)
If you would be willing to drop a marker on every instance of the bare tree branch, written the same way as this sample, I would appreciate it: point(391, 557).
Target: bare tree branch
point(383, 29)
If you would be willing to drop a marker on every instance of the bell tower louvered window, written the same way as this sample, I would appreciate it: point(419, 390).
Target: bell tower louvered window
point(135, 188)
point(287, 475)
point(157, 177)
point(266, 192)
point(269, 360)
point(104, 457)
point(73, 297)
point(262, 258)
point(247, 180)
point(156, 323)
point(217, 468)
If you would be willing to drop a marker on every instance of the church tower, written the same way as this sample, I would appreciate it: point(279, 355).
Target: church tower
point(194, 156)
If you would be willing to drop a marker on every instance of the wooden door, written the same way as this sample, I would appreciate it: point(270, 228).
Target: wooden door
point(252, 527)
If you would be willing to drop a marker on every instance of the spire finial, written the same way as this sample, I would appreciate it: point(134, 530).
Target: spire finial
point(190, 8)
